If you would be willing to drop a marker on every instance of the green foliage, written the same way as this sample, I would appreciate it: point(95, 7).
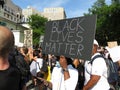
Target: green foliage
point(108, 21)
point(115, 1)
point(37, 23)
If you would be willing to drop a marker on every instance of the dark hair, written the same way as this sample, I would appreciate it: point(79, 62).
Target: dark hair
point(36, 53)
point(25, 50)
point(69, 60)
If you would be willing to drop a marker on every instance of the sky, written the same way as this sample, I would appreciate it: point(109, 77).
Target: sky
point(73, 8)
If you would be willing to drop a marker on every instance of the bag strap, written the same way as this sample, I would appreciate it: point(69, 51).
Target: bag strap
point(97, 56)
point(38, 65)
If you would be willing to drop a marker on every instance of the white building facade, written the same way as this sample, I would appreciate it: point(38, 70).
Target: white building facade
point(11, 17)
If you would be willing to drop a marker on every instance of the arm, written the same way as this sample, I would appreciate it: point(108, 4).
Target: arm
point(93, 80)
point(46, 83)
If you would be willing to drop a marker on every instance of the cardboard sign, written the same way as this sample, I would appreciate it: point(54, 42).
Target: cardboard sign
point(70, 37)
point(112, 44)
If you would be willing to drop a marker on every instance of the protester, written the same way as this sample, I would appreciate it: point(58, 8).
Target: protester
point(51, 61)
point(9, 75)
point(80, 67)
point(45, 71)
point(96, 73)
point(24, 52)
point(64, 77)
point(36, 64)
point(23, 66)
point(36, 69)
point(112, 55)
point(44, 68)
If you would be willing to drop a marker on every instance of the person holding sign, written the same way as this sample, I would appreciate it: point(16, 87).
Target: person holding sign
point(64, 77)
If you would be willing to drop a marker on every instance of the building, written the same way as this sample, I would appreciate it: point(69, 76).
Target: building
point(11, 16)
point(50, 13)
point(28, 12)
point(28, 33)
point(54, 13)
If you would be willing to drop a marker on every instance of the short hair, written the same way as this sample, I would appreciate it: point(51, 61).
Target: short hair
point(6, 41)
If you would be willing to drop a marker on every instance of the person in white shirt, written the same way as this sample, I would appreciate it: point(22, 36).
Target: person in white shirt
point(64, 77)
point(96, 73)
point(36, 64)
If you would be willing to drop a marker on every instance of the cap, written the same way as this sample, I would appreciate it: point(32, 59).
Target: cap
point(95, 42)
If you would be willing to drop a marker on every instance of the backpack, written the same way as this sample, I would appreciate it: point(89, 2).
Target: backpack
point(112, 68)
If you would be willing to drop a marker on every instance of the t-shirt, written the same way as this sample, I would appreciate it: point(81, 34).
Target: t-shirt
point(36, 66)
point(58, 81)
point(99, 68)
point(10, 79)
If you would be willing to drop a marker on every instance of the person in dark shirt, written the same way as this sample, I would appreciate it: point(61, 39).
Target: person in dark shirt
point(9, 75)
point(10, 79)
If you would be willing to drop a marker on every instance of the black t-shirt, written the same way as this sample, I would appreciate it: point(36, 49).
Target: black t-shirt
point(10, 79)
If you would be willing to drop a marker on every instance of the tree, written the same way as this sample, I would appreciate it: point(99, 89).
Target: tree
point(114, 22)
point(37, 23)
point(115, 1)
point(100, 9)
point(108, 21)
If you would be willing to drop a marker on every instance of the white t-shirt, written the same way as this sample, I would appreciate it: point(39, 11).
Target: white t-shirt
point(58, 82)
point(87, 69)
point(35, 66)
point(99, 68)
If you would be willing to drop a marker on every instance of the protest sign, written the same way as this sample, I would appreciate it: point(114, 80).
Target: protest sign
point(70, 37)
point(114, 53)
point(112, 44)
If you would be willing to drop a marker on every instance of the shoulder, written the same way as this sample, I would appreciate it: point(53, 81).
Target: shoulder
point(72, 69)
point(12, 70)
point(99, 60)
point(39, 59)
point(56, 70)
point(97, 57)
point(33, 63)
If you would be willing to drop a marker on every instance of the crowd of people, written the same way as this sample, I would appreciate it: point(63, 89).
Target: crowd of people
point(23, 68)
